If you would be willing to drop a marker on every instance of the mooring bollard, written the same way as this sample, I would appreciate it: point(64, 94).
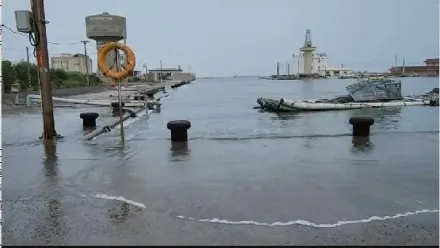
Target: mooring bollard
point(179, 130)
point(361, 125)
point(115, 105)
point(89, 119)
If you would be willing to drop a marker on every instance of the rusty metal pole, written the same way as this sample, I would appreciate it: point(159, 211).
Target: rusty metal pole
point(121, 113)
point(49, 132)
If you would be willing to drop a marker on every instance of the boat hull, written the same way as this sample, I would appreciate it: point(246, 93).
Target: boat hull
point(285, 105)
point(309, 106)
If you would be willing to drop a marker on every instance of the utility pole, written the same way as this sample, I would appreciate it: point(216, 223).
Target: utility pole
point(121, 112)
point(278, 69)
point(160, 71)
point(86, 61)
point(403, 66)
point(395, 60)
point(146, 68)
point(49, 132)
point(28, 65)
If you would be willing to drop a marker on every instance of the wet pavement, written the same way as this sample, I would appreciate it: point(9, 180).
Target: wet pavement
point(244, 177)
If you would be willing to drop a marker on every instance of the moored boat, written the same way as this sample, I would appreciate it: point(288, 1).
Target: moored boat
point(286, 105)
point(375, 90)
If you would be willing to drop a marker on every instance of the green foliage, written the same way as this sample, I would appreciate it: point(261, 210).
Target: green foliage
point(8, 75)
point(18, 72)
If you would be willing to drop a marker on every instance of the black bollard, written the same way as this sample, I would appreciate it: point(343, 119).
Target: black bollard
point(115, 105)
point(361, 125)
point(89, 119)
point(150, 96)
point(179, 130)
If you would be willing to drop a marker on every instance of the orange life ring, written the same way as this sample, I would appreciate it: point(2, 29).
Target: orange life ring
point(128, 67)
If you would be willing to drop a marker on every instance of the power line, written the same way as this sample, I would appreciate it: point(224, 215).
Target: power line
point(25, 35)
point(16, 50)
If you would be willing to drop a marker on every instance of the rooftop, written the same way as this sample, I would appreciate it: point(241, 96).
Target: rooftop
point(165, 69)
point(430, 61)
point(68, 55)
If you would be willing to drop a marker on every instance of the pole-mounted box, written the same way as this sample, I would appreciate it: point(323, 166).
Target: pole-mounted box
point(23, 19)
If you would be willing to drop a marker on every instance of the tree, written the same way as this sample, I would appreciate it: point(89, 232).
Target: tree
point(18, 72)
point(22, 75)
point(9, 76)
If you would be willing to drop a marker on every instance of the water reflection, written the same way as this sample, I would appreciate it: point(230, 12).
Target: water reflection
point(362, 145)
point(179, 151)
point(50, 160)
point(386, 118)
point(284, 118)
point(54, 224)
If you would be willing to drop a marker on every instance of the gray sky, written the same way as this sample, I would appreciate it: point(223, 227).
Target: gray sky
point(246, 37)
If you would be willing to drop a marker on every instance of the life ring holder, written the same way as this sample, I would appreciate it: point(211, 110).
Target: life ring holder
point(127, 67)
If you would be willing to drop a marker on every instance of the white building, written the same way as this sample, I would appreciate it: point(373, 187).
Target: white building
point(71, 63)
point(321, 66)
point(320, 63)
point(169, 74)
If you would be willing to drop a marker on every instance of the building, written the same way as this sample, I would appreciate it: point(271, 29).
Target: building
point(432, 62)
point(320, 66)
point(169, 74)
point(137, 73)
point(71, 63)
point(338, 72)
point(430, 69)
point(157, 75)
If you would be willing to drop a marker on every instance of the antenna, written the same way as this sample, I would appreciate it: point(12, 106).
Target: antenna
point(308, 40)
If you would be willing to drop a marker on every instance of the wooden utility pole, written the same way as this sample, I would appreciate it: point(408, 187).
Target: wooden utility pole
point(49, 132)
point(86, 61)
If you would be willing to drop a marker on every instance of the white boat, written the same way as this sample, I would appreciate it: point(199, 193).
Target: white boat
point(102, 103)
point(286, 105)
point(298, 105)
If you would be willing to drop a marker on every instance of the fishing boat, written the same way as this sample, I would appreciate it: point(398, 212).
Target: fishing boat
point(375, 90)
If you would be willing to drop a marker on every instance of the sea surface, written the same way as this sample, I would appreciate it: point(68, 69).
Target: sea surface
point(244, 177)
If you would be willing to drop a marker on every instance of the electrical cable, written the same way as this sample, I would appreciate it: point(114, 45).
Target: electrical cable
point(33, 38)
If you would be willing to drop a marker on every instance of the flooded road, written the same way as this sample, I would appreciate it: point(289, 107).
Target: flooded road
point(244, 178)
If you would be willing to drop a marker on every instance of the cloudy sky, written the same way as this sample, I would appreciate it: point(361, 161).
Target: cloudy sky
point(246, 37)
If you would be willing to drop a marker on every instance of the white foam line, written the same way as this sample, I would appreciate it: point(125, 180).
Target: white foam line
point(288, 223)
point(308, 223)
point(120, 198)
